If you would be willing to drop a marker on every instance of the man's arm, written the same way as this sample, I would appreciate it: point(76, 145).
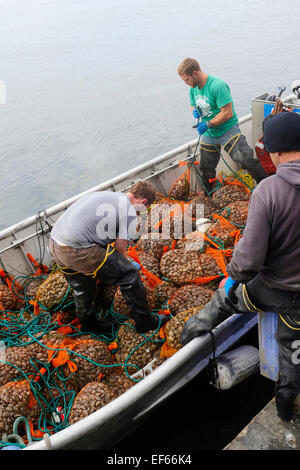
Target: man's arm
point(225, 113)
point(250, 252)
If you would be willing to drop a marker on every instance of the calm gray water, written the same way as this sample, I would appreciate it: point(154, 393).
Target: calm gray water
point(93, 90)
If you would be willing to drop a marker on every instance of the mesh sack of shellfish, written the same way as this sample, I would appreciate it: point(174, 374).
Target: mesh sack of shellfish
point(31, 287)
point(180, 266)
point(190, 296)
point(193, 241)
point(134, 349)
point(157, 213)
point(120, 306)
point(63, 317)
point(54, 290)
point(20, 359)
point(237, 212)
point(16, 399)
point(176, 225)
point(222, 232)
point(7, 299)
point(26, 357)
point(155, 244)
point(200, 195)
point(91, 398)
point(149, 262)
point(83, 361)
point(118, 381)
point(174, 326)
point(164, 292)
point(180, 189)
point(210, 268)
point(201, 206)
point(230, 193)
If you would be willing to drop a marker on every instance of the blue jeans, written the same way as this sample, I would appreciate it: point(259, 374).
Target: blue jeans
point(222, 139)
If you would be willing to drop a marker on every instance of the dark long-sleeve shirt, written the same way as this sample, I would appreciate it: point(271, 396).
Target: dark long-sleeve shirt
point(271, 240)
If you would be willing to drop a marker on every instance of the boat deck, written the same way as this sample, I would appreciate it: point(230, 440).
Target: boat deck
point(268, 432)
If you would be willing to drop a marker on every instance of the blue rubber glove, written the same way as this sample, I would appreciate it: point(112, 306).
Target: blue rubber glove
point(196, 113)
point(136, 265)
point(202, 128)
point(230, 286)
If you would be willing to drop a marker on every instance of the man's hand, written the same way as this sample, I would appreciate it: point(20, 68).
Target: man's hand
point(230, 286)
point(196, 113)
point(135, 264)
point(202, 128)
point(193, 327)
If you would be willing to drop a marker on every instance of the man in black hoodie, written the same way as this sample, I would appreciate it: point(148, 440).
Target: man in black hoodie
point(264, 272)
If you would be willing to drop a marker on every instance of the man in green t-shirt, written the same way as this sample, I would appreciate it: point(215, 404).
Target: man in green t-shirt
point(211, 100)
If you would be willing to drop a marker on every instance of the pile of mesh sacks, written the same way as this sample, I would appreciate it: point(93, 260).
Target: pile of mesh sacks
point(53, 374)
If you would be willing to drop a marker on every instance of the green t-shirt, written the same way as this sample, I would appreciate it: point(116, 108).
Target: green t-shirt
point(210, 98)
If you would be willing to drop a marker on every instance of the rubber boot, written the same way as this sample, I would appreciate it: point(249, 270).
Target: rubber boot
point(84, 290)
point(213, 313)
point(136, 300)
point(286, 390)
point(242, 154)
point(209, 159)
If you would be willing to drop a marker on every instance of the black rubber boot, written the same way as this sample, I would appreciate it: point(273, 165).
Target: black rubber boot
point(213, 313)
point(152, 322)
point(286, 390)
point(136, 300)
point(84, 289)
point(209, 159)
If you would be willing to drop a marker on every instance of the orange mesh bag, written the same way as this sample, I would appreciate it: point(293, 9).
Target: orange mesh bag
point(180, 189)
point(8, 300)
point(152, 220)
point(230, 193)
point(24, 358)
point(15, 289)
point(155, 244)
point(193, 241)
point(175, 221)
point(237, 212)
point(149, 262)
point(91, 398)
point(134, 348)
point(222, 231)
point(82, 360)
point(178, 266)
point(16, 399)
point(190, 296)
point(201, 206)
point(152, 279)
point(164, 292)
point(31, 287)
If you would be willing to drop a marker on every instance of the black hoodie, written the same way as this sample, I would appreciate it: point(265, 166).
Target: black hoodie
point(271, 240)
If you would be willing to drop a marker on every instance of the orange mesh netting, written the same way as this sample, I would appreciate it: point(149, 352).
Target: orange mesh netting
point(153, 280)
